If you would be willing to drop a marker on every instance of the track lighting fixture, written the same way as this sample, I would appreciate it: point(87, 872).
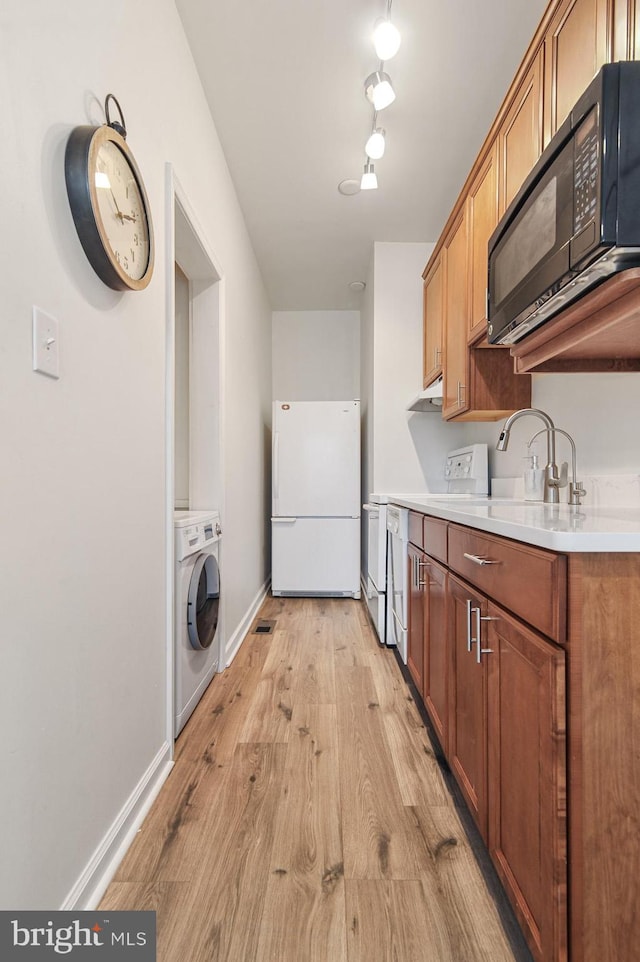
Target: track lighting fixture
point(378, 89)
point(369, 180)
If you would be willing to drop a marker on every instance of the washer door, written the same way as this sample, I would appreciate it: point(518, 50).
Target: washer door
point(204, 601)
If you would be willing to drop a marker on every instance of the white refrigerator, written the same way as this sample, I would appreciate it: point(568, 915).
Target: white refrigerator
point(315, 512)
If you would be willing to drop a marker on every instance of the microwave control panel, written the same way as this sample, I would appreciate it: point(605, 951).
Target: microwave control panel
point(585, 182)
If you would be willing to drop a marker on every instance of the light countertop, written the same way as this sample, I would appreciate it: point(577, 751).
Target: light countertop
point(558, 527)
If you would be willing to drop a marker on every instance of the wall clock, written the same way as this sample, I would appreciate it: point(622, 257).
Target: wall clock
point(109, 203)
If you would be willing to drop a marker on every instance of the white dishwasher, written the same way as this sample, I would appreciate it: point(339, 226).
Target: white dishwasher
point(397, 578)
point(466, 475)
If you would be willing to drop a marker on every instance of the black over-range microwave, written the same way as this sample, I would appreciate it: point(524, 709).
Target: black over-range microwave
point(576, 219)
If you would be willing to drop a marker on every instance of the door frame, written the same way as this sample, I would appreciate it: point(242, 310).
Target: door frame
point(187, 245)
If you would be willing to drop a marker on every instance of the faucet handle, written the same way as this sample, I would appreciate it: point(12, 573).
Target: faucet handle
point(576, 491)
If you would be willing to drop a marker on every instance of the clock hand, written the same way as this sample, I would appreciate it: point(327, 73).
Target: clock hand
point(118, 211)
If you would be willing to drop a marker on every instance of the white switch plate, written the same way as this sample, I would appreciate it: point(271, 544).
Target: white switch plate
point(45, 343)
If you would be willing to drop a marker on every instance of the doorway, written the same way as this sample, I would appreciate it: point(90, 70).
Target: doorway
point(194, 390)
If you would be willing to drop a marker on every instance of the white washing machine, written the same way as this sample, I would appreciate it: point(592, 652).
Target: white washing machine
point(197, 608)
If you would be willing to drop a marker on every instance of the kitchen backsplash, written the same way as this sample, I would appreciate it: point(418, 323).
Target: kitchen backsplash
point(604, 490)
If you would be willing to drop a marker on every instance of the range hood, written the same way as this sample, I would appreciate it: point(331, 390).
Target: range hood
point(429, 400)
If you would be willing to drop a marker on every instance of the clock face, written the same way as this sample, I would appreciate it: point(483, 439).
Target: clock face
point(121, 209)
point(109, 207)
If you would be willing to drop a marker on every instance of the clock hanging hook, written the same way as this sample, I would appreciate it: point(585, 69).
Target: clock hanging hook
point(120, 128)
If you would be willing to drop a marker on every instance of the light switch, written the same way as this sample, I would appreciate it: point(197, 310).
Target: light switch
point(45, 343)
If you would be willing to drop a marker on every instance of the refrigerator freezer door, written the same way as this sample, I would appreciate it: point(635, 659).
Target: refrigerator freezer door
point(316, 459)
point(315, 556)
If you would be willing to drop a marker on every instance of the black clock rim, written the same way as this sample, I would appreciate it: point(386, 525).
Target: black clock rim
point(82, 142)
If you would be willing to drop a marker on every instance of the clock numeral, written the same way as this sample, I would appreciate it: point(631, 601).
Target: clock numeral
point(118, 256)
point(136, 240)
point(133, 256)
point(126, 263)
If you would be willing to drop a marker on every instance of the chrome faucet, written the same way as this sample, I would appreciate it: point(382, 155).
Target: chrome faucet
point(576, 490)
point(552, 482)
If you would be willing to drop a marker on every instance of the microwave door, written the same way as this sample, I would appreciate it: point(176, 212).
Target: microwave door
point(533, 255)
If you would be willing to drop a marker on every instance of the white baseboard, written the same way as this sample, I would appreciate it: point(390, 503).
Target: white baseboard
point(238, 636)
point(90, 887)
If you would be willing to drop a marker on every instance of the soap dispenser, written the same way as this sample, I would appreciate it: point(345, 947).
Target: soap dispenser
point(533, 479)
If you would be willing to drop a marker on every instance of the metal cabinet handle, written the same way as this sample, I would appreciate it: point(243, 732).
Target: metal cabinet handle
point(461, 388)
point(480, 651)
point(478, 560)
point(470, 640)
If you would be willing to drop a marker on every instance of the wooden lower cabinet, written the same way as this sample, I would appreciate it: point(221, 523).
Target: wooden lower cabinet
point(467, 701)
point(527, 778)
point(494, 689)
point(436, 668)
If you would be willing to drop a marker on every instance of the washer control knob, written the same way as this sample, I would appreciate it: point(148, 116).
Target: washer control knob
point(218, 528)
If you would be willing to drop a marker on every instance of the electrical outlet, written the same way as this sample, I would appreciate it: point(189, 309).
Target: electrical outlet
point(45, 344)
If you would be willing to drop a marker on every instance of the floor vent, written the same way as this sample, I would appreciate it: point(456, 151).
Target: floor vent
point(264, 627)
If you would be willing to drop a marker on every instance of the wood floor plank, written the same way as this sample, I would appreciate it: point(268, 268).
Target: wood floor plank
point(213, 727)
point(392, 920)
point(300, 924)
point(376, 833)
point(313, 662)
point(171, 901)
point(160, 849)
point(310, 803)
point(232, 862)
point(303, 916)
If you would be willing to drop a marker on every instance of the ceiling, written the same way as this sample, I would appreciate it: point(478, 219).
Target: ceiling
point(285, 83)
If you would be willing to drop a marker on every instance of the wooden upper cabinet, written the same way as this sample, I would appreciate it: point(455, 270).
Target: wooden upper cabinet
point(432, 323)
point(626, 30)
point(456, 312)
point(578, 42)
point(520, 133)
point(482, 212)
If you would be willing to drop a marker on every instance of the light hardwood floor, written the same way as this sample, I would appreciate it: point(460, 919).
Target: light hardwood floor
point(306, 818)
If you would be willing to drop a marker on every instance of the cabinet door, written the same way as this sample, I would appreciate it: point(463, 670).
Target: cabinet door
point(436, 674)
point(468, 697)
point(432, 323)
point(576, 45)
point(482, 205)
point(456, 308)
point(520, 134)
point(415, 639)
point(527, 779)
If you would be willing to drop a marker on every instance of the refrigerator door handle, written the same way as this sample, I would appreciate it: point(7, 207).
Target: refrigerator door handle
point(284, 520)
point(276, 466)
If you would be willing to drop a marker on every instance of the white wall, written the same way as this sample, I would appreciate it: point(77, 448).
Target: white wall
point(82, 596)
point(315, 355)
point(406, 450)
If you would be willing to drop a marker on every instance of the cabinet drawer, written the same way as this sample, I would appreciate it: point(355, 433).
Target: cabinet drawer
point(435, 538)
point(530, 582)
point(416, 535)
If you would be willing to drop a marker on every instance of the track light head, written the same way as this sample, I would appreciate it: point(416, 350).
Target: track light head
point(378, 89)
point(386, 39)
point(369, 180)
point(374, 147)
